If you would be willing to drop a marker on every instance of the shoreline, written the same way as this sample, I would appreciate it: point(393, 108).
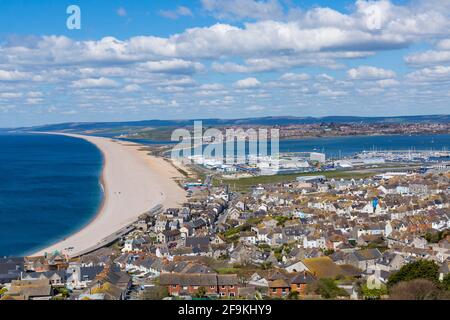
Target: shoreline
point(133, 183)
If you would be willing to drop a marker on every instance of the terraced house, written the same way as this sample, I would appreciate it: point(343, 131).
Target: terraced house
point(189, 284)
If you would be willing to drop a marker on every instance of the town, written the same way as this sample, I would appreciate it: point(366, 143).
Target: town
point(313, 237)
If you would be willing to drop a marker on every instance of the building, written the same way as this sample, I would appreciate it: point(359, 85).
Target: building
point(179, 284)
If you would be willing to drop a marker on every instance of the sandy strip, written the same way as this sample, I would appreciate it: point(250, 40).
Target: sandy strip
point(134, 182)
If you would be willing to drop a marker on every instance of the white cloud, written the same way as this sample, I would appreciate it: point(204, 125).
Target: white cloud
point(212, 86)
point(94, 83)
point(6, 75)
point(248, 83)
point(444, 44)
point(176, 66)
point(430, 57)
point(437, 73)
point(295, 77)
point(132, 88)
point(386, 83)
point(34, 94)
point(180, 11)
point(370, 73)
point(325, 77)
point(10, 95)
point(255, 108)
point(33, 101)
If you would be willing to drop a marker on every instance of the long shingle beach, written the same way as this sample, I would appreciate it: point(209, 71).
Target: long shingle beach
point(134, 182)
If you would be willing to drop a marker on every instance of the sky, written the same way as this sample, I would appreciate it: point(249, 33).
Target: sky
point(150, 59)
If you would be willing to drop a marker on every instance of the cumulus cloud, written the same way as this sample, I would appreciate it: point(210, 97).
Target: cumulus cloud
point(295, 77)
point(370, 73)
point(386, 83)
point(132, 88)
point(444, 44)
point(212, 86)
point(94, 83)
point(176, 66)
point(6, 75)
point(430, 57)
point(437, 73)
point(248, 83)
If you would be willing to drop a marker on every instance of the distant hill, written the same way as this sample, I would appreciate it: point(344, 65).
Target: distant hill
point(118, 126)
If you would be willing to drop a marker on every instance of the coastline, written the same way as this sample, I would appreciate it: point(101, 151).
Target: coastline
point(133, 182)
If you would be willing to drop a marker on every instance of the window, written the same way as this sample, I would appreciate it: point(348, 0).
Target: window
point(231, 287)
point(274, 290)
point(213, 287)
point(223, 287)
point(231, 294)
point(174, 286)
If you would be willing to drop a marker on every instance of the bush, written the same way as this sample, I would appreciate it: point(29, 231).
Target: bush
point(155, 293)
point(418, 289)
point(422, 269)
point(373, 294)
point(446, 282)
point(327, 288)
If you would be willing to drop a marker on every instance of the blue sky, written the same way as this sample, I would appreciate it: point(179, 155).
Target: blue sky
point(134, 60)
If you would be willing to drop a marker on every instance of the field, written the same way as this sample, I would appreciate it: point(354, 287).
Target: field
point(245, 184)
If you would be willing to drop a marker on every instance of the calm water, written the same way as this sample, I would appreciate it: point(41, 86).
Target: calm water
point(49, 188)
point(336, 147)
point(347, 146)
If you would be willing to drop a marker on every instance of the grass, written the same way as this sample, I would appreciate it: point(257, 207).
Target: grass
point(245, 184)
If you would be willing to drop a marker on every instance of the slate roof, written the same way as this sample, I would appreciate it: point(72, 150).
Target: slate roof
point(367, 254)
point(188, 279)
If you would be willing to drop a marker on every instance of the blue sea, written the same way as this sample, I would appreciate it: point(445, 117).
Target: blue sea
point(49, 188)
point(49, 185)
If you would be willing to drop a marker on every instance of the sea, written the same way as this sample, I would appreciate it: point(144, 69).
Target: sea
point(49, 188)
point(49, 184)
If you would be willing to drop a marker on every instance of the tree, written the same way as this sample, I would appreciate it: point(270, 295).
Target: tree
point(418, 289)
point(446, 282)
point(155, 293)
point(327, 288)
point(3, 291)
point(293, 295)
point(201, 292)
point(373, 294)
point(64, 292)
point(422, 269)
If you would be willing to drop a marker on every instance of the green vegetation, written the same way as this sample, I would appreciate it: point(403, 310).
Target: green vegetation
point(446, 282)
point(64, 292)
point(422, 269)
point(436, 236)
point(328, 252)
point(417, 289)
point(3, 291)
point(373, 294)
point(281, 220)
point(155, 293)
point(327, 289)
point(245, 184)
point(293, 295)
point(201, 292)
point(227, 270)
